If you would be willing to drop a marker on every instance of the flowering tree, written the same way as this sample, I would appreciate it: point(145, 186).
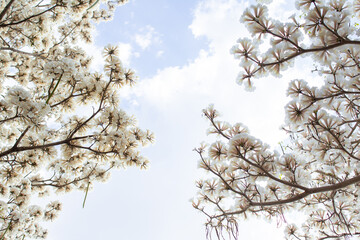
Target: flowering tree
point(45, 80)
point(317, 172)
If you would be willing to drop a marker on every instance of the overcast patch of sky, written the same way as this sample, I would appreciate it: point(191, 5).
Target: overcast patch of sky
point(194, 70)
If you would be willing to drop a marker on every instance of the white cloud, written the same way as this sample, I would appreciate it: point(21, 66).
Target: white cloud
point(125, 53)
point(159, 53)
point(281, 9)
point(95, 52)
point(219, 22)
point(147, 36)
point(210, 78)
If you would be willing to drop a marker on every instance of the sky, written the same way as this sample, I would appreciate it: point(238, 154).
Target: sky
point(180, 51)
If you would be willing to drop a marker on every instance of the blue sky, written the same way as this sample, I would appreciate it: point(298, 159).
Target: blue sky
point(180, 51)
point(167, 24)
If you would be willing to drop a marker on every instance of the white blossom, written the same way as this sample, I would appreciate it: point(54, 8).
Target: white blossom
point(45, 77)
point(315, 170)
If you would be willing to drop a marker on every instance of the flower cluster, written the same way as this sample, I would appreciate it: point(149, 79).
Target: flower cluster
point(330, 26)
point(49, 143)
point(316, 171)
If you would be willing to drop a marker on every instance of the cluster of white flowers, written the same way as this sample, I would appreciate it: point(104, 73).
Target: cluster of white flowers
point(317, 170)
point(45, 145)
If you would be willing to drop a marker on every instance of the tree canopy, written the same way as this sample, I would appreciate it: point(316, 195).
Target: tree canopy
point(316, 171)
point(61, 126)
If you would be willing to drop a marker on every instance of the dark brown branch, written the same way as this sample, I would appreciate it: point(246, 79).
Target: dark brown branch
point(15, 148)
point(21, 137)
point(300, 52)
point(310, 191)
point(6, 8)
point(21, 52)
point(28, 18)
point(222, 179)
